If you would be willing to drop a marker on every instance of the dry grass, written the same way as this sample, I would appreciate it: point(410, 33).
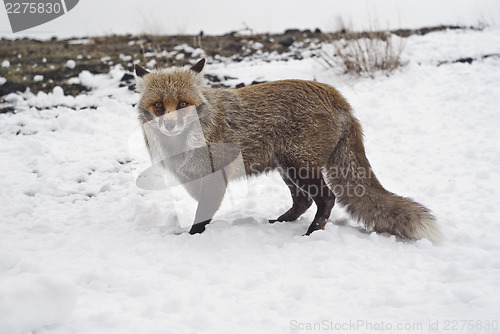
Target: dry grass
point(364, 54)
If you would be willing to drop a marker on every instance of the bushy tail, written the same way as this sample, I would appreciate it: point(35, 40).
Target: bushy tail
point(357, 188)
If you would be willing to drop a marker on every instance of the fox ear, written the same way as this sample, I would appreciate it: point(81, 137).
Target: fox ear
point(198, 67)
point(139, 71)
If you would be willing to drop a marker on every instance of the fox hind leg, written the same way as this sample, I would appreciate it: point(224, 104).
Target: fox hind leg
point(324, 199)
point(301, 202)
point(317, 189)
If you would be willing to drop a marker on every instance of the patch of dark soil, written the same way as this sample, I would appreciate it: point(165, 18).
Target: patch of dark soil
point(4, 110)
point(469, 60)
point(11, 87)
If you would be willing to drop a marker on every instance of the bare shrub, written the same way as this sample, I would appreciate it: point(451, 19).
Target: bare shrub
point(364, 54)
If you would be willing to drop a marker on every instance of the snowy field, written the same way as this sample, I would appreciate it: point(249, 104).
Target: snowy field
point(83, 250)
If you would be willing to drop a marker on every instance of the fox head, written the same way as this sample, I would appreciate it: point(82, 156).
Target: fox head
point(169, 95)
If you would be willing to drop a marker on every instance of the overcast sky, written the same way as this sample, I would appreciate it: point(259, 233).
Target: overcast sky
point(97, 17)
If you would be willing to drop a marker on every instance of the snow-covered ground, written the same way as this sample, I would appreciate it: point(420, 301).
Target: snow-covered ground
point(83, 250)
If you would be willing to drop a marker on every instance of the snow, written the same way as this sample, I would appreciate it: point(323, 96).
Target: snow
point(84, 250)
point(5, 63)
point(151, 63)
point(81, 41)
point(71, 64)
point(38, 77)
point(32, 301)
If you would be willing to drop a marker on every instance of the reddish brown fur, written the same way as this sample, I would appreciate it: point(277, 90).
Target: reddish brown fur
point(291, 125)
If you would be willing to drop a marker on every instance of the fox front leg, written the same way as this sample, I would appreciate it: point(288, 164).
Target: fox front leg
point(210, 195)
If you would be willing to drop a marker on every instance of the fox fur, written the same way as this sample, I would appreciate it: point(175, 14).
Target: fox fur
point(288, 125)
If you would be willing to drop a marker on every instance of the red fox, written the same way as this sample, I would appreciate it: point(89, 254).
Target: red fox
point(305, 130)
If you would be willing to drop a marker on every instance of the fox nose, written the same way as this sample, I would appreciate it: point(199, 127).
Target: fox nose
point(169, 124)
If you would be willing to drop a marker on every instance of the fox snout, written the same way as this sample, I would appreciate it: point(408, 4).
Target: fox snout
point(171, 124)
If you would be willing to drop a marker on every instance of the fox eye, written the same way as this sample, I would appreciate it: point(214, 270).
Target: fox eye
point(182, 104)
point(158, 105)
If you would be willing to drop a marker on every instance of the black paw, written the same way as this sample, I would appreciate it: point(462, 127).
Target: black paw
point(313, 227)
point(196, 229)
